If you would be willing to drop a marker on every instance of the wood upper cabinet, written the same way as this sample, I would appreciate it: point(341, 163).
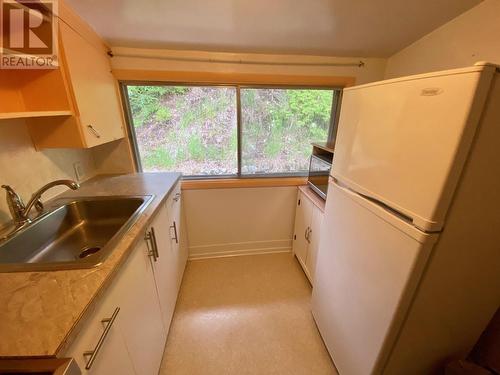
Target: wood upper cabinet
point(94, 89)
point(308, 220)
point(93, 95)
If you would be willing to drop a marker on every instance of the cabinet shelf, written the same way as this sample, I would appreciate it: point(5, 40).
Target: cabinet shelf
point(31, 114)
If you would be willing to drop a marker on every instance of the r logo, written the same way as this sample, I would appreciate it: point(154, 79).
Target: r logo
point(29, 33)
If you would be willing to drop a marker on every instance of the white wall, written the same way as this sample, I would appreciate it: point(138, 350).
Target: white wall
point(471, 37)
point(242, 220)
point(239, 220)
point(143, 59)
point(26, 170)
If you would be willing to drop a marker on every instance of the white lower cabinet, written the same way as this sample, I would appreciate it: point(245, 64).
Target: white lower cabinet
point(125, 334)
point(170, 261)
point(308, 218)
point(127, 331)
point(112, 356)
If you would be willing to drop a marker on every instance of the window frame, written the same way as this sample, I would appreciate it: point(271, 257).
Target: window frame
point(332, 131)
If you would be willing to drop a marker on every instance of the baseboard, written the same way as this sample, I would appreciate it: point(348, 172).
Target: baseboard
point(241, 248)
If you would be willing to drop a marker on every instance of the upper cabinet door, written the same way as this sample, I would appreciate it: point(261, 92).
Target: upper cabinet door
point(94, 89)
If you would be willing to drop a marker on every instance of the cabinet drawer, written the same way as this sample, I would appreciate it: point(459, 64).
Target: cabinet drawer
point(100, 347)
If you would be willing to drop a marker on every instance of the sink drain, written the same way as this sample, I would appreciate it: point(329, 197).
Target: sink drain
point(89, 251)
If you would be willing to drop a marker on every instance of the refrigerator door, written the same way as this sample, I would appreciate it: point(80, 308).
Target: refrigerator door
point(404, 142)
point(368, 266)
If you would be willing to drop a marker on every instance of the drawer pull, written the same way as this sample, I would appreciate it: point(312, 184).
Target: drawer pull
point(151, 248)
point(174, 227)
point(93, 353)
point(155, 244)
point(94, 131)
point(177, 196)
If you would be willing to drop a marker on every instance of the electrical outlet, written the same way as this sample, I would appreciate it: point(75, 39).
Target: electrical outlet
point(79, 171)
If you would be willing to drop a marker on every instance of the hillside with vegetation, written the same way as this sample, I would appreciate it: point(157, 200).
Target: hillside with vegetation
point(194, 129)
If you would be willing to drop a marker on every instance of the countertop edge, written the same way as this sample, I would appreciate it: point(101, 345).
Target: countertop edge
point(127, 242)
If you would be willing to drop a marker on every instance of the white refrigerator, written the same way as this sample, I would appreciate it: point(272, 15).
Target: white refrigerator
point(408, 268)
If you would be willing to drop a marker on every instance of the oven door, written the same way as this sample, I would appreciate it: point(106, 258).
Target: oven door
point(319, 170)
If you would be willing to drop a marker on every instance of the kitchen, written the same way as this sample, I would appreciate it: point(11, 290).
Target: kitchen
point(239, 265)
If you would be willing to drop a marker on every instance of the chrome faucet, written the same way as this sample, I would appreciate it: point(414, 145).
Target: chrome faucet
point(20, 211)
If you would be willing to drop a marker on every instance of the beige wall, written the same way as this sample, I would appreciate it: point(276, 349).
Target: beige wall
point(113, 157)
point(240, 220)
point(243, 220)
point(471, 37)
point(26, 170)
point(144, 59)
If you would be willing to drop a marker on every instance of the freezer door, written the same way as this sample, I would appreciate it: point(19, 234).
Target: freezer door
point(404, 142)
point(368, 265)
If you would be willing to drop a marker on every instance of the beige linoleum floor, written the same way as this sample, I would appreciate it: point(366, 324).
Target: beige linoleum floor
point(245, 315)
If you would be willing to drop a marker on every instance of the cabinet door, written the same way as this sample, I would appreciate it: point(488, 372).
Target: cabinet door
point(94, 89)
point(302, 222)
point(314, 234)
point(136, 339)
point(113, 356)
point(164, 267)
point(178, 235)
point(141, 321)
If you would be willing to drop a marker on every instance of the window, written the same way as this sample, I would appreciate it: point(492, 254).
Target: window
point(187, 129)
point(194, 129)
point(278, 127)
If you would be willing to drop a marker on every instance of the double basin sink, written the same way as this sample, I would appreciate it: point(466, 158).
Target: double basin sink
point(75, 233)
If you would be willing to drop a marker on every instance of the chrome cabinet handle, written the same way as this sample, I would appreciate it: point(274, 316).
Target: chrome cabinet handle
point(93, 353)
point(93, 131)
point(155, 244)
point(177, 197)
point(148, 237)
point(175, 232)
point(307, 234)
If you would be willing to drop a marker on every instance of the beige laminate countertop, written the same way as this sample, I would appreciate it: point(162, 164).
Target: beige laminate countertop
point(40, 312)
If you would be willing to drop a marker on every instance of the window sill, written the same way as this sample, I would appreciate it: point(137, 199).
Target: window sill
point(226, 183)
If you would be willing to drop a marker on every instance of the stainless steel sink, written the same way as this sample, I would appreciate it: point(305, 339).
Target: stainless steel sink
point(77, 233)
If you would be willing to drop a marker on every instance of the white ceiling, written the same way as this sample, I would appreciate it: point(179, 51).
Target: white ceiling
point(371, 28)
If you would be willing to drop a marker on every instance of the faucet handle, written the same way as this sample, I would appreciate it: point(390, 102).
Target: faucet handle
point(11, 194)
point(39, 205)
point(14, 201)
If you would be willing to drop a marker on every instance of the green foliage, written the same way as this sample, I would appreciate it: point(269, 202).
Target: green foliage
point(159, 158)
point(187, 119)
point(318, 133)
point(213, 153)
point(196, 148)
point(163, 114)
point(311, 106)
point(145, 101)
point(273, 147)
